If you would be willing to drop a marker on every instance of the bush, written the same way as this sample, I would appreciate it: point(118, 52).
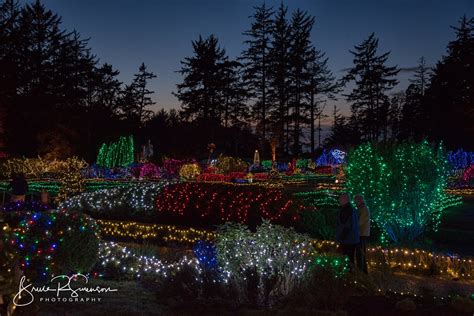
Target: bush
point(171, 167)
point(403, 185)
point(320, 224)
point(324, 288)
point(216, 203)
point(56, 243)
point(38, 167)
point(190, 171)
point(227, 164)
point(270, 261)
point(136, 201)
point(149, 170)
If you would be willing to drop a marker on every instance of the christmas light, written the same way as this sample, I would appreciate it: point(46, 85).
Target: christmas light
point(320, 198)
point(117, 154)
point(460, 159)
point(138, 196)
point(112, 256)
point(403, 186)
point(332, 157)
point(211, 203)
point(468, 174)
point(39, 167)
point(190, 171)
point(39, 240)
point(153, 232)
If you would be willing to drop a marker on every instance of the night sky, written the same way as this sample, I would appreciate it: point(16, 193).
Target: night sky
point(159, 33)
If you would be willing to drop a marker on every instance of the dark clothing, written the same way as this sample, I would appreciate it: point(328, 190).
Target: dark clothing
point(19, 186)
point(347, 230)
point(349, 251)
point(361, 254)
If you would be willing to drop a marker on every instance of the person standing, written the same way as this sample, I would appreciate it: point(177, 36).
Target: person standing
point(19, 187)
point(364, 229)
point(347, 230)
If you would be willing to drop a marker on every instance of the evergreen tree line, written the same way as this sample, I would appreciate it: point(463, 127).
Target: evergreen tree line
point(437, 105)
point(277, 84)
point(55, 95)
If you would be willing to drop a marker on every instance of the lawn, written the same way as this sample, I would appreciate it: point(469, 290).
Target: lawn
point(456, 233)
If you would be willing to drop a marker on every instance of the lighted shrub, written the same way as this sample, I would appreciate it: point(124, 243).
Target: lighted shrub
point(274, 257)
point(136, 201)
point(149, 170)
point(320, 223)
point(216, 203)
point(226, 164)
point(189, 171)
point(55, 243)
point(38, 167)
point(117, 154)
point(403, 185)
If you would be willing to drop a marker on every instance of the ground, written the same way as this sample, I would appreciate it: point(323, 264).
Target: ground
point(456, 233)
point(137, 298)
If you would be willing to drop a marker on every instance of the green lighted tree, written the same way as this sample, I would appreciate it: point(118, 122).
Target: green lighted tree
point(116, 154)
point(403, 185)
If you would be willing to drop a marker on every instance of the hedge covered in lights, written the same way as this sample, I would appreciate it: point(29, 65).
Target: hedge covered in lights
point(54, 242)
point(135, 201)
point(403, 185)
point(120, 153)
point(215, 203)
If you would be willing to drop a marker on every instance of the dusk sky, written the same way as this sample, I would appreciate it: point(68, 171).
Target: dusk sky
point(159, 33)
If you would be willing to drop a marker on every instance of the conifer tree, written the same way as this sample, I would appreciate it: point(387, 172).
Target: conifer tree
point(256, 65)
point(448, 105)
point(372, 79)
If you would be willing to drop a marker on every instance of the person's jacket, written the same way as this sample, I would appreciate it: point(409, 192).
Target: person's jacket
point(364, 220)
point(19, 186)
point(347, 230)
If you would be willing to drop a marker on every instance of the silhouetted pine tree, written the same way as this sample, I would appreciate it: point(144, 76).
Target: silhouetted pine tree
point(449, 100)
point(279, 77)
point(205, 77)
point(342, 135)
point(47, 70)
point(411, 113)
point(300, 54)
point(322, 84)
point(257, 64)
point(372, 78)
point(140, 85)
point(234, 93)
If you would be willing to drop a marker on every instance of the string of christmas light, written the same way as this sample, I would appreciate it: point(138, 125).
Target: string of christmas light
point(460, 159)
point(117, 154)
point(422, 261)
point(461, 191)
point(411, 260)
point(155, 232)
point(20, 206)
point(215, 203)
point(403, 186)
point(53, 187)
point(116, 259)
point(190, 171)
point(332, 157)
point(271, 251)
point(39, 237)
point(149, 170)
point(39, 167)
point(321, 198)
point(121, 260)
point(138, 196)
point(468, 174)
